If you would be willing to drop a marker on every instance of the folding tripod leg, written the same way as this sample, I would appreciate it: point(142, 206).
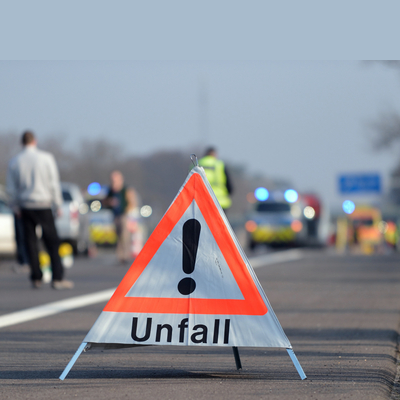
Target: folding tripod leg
point(296, 364)
point(73, 360)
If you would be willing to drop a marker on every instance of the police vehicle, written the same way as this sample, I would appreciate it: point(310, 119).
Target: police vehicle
point(283, 218)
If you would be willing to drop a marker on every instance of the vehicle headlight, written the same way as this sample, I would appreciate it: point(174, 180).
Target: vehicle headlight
point(309, 212)
point(95, 206)
point(295, 210)
point(83, 208)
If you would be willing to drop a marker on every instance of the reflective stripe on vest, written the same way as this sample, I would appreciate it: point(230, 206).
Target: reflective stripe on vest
point(215, 172)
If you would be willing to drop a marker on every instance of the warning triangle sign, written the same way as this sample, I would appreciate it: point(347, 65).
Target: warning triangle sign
point(191, 283)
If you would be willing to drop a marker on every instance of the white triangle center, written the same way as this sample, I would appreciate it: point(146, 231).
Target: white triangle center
point(212, 275)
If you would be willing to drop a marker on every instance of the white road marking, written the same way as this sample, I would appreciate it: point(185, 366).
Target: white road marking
point(57, 307)
point(276, 258)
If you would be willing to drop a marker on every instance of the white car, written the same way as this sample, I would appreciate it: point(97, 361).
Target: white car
point(7, 232)
point(73, 225)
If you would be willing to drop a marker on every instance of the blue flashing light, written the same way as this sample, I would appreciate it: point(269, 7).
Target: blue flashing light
point(291, 196)
point(261, 194)
point(94, 188)
point(348, 206)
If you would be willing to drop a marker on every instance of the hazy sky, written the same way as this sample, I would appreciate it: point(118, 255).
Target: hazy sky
point(305, 121)
point(199, 30)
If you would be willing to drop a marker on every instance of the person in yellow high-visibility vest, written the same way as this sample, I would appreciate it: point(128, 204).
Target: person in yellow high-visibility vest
point(218, 177)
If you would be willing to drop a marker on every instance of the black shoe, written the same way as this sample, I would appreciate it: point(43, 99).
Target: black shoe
point(63, 284)
point(21, 269)
point(37, 284)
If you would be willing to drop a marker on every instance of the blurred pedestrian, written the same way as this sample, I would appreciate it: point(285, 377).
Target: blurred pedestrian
point(116, 200)
point(133, 223)
point(34, 189)
point(218, 176)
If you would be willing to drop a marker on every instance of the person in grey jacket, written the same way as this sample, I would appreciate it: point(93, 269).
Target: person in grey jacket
point(34, 189)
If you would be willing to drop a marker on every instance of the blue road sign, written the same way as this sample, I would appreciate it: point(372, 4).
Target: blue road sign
point(360, 184)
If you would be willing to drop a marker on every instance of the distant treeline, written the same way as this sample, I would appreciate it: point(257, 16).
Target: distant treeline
point(156, 177)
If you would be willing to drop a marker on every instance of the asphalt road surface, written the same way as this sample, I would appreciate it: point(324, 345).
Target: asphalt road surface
point(341, 314)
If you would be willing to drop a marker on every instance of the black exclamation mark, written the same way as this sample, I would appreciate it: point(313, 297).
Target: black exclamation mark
point(190, 240)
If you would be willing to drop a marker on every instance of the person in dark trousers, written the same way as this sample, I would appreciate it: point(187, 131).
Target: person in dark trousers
point(34, 189)
point(22, 254)
point(218, 176)
point(116, 200)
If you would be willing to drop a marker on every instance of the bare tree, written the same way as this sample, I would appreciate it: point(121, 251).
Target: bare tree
point(386, 135)
point(387, 131)
point(65, 157)
point(10, 145)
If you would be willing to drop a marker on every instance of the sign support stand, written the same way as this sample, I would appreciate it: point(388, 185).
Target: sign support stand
point(237, 358)
point(73, 360)
point(296, 364)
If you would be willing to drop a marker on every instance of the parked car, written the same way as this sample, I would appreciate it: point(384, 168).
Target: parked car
point(7, 232)
point(102, 228)
point(73, 225)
